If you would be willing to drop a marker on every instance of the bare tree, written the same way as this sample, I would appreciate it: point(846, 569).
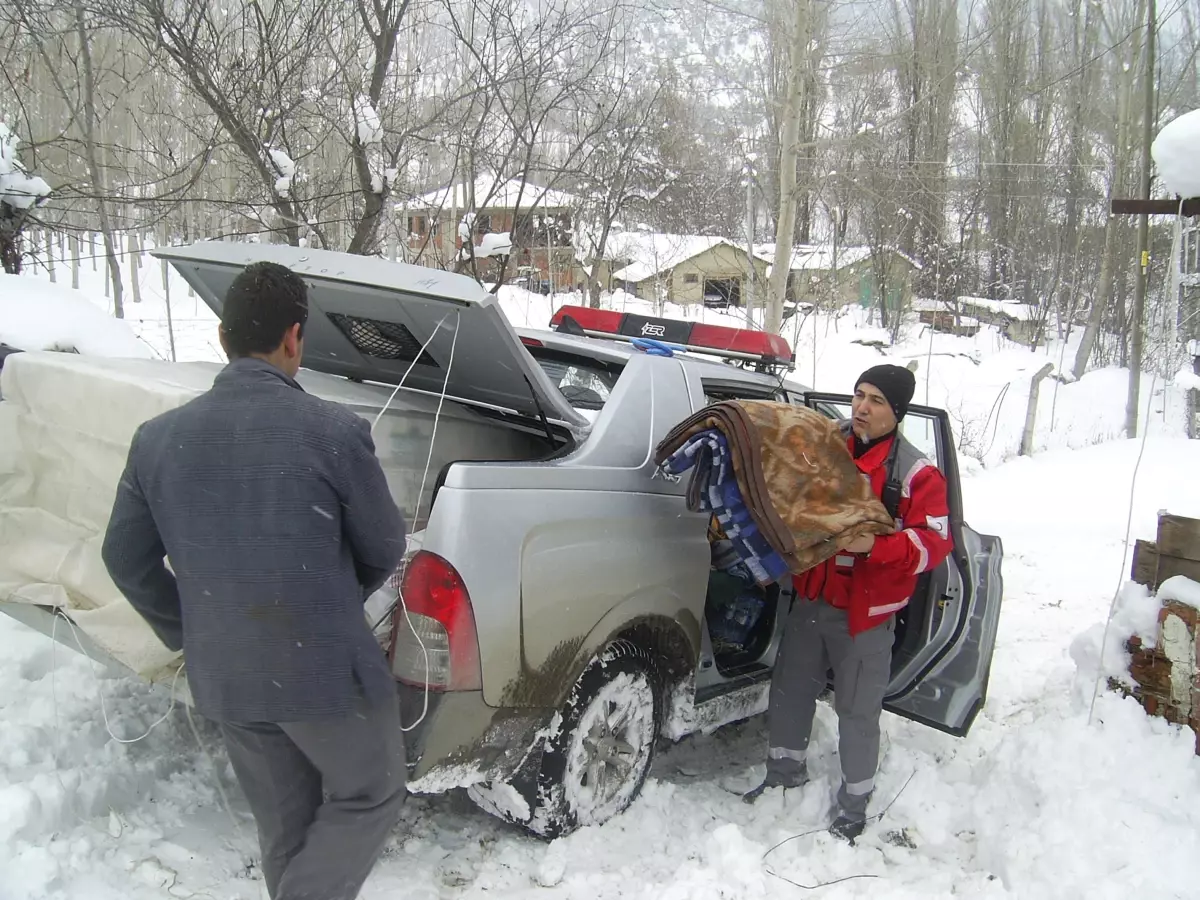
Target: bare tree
point(20, 194)
point(924, 42)
point(1118, 25)
point(88, 116)
point(544, 92)
point(799, 60)
point(620, 173)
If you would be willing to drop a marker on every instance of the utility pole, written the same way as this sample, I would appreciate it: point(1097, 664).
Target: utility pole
point(1139, 288)
point(751, 279)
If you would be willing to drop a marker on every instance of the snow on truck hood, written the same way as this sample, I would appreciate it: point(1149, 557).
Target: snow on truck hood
point(37, 315)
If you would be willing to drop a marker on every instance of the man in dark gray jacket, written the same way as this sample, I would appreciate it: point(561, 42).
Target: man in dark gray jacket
point(275, 515)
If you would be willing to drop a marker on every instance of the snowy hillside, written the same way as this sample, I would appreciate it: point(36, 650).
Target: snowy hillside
point(1034, 803)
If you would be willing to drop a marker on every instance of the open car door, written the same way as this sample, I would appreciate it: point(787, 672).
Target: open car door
point(369, 319)
point(946, 635)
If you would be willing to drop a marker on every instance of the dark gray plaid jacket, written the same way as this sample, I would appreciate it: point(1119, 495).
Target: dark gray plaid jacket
point(273, 510)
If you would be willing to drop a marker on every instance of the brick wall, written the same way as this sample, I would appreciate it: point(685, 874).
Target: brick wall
point(1167, 676)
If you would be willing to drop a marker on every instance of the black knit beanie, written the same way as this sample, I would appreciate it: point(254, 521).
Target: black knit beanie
point(896, 383)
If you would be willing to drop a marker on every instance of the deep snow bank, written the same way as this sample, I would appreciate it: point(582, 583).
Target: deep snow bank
point(1034, 803)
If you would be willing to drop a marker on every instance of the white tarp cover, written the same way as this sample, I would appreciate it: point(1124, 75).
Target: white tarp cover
point(66, 422)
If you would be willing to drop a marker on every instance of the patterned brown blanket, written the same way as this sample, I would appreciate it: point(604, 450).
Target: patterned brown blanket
point(795, 474)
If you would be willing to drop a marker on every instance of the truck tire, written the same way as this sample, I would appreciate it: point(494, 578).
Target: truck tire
point(599, 751)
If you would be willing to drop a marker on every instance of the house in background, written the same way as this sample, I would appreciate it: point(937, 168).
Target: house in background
point(537, 219)
point(680, 268)
point(842, 276)
point(715, 271)
point(1019, 322)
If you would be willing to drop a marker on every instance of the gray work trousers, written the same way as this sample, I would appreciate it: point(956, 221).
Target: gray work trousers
point(817, 637)
point(324, 793)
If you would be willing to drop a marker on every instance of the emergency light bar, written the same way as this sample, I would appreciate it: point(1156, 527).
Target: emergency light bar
point(766, 350)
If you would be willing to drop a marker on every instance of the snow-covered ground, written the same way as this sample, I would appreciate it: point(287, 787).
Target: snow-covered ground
point(1034, 803)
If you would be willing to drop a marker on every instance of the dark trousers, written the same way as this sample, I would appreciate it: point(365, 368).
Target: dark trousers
point(324, 793)
point(816, 638)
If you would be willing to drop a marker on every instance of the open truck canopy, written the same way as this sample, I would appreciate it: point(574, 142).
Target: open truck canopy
point(369, 319)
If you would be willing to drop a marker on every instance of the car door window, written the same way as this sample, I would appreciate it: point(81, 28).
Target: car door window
point(922, 432)
point(719, 391)
point(921, 429)
point(585, 384)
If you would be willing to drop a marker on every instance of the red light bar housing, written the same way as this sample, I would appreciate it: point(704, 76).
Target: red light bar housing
point(766, 350)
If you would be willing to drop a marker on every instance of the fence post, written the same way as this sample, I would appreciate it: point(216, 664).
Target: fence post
point(1193, 396)
point(1031, 411)
point(75, 252)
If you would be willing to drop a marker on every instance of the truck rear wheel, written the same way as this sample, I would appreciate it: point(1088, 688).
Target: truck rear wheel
point(599, 752)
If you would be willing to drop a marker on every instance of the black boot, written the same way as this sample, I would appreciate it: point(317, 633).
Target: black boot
point(847, 829)
point(773, 780)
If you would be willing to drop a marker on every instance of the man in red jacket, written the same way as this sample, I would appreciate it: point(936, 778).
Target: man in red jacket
point(844, 614)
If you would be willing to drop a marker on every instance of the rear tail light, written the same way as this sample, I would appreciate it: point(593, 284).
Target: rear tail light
point(434, 621)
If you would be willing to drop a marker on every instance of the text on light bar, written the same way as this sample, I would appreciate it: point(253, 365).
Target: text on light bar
point(716, 339)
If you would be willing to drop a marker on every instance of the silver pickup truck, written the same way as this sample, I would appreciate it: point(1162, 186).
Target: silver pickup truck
point(553, 621)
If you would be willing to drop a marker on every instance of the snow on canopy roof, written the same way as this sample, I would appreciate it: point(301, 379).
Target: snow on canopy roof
point(814, 257)
point(646, 254)
point(490, 194)
point(1021, 312)
point(1018, 312)
point(819, 257)
point(38, 315)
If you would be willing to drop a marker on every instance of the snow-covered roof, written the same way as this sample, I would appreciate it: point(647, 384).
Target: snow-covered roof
point(490, 194)
point(819, 257)
point(646, 254)
point(38, 315)
point(1020, 312)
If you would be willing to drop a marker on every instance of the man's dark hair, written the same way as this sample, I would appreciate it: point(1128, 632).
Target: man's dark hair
point(262, 303)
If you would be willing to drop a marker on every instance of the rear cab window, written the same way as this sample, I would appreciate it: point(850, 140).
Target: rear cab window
point(586, 383)
point(717, 390)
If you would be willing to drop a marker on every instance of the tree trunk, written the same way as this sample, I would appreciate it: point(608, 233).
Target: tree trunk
point(93, 161)
point(594, 286)
point(48, 236)
point(789, 139)
point(135, 264)
point(1104, 288)
point(1132, 402)
point(75, 251)
point(10, 238)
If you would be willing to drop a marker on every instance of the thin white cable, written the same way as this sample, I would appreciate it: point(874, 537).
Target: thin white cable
point(437, 417)
point(421, 493)
point(407, 371)
point(100, 694)
point(1112, 607)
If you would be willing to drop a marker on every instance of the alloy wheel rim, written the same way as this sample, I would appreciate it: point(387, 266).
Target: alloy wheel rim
point(611, 747)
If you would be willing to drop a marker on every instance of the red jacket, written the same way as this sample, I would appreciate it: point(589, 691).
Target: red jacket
point(878, 585)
